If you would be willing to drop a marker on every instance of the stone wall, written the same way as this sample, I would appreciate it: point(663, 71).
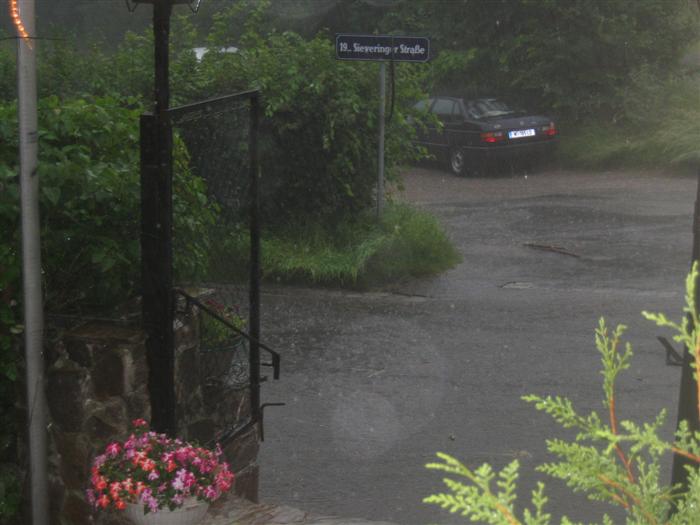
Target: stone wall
point(97, 384)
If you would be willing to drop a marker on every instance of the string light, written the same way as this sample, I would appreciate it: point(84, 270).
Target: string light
point(17, 20)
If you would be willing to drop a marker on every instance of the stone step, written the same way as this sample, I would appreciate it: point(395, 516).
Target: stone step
point(236, 511)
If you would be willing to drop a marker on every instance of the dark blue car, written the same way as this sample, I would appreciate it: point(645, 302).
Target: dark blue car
point(472, 134)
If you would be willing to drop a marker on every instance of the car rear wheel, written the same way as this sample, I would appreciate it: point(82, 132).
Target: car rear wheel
point(458, 162)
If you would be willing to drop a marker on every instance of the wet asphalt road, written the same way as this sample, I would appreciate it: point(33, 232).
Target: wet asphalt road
point(376, 382)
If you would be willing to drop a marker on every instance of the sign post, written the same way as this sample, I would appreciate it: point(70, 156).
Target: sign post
point(380, 159)
point(380, 48)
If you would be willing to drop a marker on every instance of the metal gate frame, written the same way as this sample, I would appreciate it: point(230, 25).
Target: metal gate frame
point(158, 301)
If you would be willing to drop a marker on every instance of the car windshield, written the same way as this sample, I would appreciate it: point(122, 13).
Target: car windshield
point(488, 108)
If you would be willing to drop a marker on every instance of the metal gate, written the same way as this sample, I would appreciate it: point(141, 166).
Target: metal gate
point(209, 178)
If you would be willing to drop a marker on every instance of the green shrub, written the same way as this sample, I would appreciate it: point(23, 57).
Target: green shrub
point(319, 134)
point(89, 201)
point(407, 242)
point(572, 59)
point(10, 493)
point(660, 127)
point(414, 244)
point(89, 210)
point(617, 461)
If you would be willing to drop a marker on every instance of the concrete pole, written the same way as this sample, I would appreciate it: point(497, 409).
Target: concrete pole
point(380, 159)
point(31, 266)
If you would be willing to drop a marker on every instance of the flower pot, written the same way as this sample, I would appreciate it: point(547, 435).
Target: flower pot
point(191, 513)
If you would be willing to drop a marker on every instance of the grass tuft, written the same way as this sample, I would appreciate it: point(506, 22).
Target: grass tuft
point(406, 243)
point(661, 127)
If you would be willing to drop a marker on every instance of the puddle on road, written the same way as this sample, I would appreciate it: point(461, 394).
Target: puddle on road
point(518, 285)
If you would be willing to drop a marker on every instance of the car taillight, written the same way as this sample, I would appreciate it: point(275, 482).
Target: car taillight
point(492, 136)
point(550, 130)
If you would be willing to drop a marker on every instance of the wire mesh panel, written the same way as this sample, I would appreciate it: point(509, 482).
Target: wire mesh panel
point(215, 236)
point(212, 165)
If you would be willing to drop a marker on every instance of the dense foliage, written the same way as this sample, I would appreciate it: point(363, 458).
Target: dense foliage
point(89, 201)
point(320, 115)
point(573, 58)
point(612, 460)
point(89, 208)
point(319, 138)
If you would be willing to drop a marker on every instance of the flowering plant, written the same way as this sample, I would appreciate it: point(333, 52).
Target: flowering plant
point(156, 471)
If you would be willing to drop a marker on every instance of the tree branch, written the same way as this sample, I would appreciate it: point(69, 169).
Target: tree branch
point(613, 426)
point(617, 486)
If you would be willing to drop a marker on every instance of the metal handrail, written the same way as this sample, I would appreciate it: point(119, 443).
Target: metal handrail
point(275, 356)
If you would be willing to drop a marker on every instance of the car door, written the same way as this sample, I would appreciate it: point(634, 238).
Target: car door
point(444, 110)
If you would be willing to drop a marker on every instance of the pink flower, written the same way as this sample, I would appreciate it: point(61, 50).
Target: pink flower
point(184, 479)
point(211, 493)
point(148, 465)
point(224, 479)
point(128, 485)
point(139, 423)
point(153, 505)
point(99, 460)
point(101, 483)
point(114, 488)
point(113, 449)
point(139, 457)
point(156, 471)
point(184, 454)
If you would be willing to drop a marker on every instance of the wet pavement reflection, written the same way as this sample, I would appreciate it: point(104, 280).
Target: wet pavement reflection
point(376, 382)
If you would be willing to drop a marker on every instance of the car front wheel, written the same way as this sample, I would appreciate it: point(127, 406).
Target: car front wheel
point(458, 161)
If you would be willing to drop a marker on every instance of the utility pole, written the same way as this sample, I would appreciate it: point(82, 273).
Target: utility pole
point(158, 301)
point(164, 366)
point(22, 13)
point(156, 232)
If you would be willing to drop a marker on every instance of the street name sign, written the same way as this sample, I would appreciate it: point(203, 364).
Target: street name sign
point(382, 47)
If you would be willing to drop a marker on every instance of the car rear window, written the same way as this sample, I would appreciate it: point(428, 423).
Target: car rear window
point(487, 108)
point(444, 107)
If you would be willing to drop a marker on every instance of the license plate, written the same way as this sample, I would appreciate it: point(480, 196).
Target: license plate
point(519, 133)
